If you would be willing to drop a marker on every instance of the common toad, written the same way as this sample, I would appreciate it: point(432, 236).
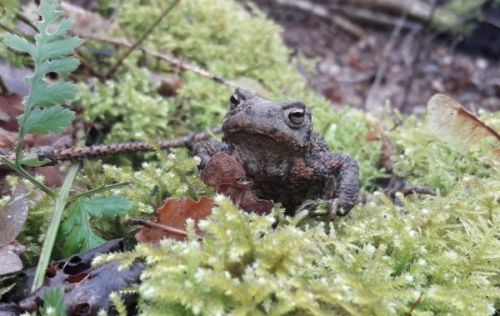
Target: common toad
point(286, 161)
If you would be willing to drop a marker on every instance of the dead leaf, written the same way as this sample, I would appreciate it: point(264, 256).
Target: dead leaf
point(11, 106)
point(9, 257)
point(86, 288)
point(175, 213)
point(226, 175)
point(452, 123)
point(13, 215)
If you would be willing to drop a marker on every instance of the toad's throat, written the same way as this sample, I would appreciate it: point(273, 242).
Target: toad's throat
point(260, 142)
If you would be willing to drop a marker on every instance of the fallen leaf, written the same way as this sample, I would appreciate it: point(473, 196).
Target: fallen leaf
point(9, 257)
point(452, 123)
point(11, 106)
point(13, 215)
point(226, 175)
point(175, 213)
point(86, 288)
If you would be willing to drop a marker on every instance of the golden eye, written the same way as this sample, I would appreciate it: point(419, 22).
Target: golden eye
point(296, 116)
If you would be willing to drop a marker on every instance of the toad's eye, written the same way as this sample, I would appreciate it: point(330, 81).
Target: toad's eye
point(296, 116)
point(234, 100)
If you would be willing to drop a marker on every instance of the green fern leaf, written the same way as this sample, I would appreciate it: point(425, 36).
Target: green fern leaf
point(19, 44)
point(48, 120)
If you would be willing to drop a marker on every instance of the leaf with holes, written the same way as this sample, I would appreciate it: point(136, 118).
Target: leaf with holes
point(77, 230)
point(48, 120)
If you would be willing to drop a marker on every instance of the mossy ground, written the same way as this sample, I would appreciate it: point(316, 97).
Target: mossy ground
point(425, 255)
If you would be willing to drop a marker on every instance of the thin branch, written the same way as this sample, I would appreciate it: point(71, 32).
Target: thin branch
point(415, 304)
point(416, 59)
point(26, 20)
point(74, 153)
point(388, 49)
point(148, 223)
point(120, 60)
point(90, 67)
point(176, 62)
point(3, 87)
point(97, 190)
point(324, 13)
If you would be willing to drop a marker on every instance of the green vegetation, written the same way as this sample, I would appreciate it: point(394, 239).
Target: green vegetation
point(424, 255)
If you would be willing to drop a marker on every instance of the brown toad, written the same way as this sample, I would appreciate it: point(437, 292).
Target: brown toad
point(286, 161)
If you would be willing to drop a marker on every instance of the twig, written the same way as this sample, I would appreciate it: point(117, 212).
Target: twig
point(152, 224)
point(3, 87)
point(74, 153)
point(97, 190)
point(120, 60)
point(371, 16)
point(90, 67)
point(416, 59)
point(26, 21)
point(388, 49)
point(166, 58)
point(8, 29)
point(414, 305)
point(322, 12)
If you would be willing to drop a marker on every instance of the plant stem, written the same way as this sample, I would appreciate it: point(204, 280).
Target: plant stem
point(50, 238)
point(97, 190)
point(25, 174)
point(163, 14)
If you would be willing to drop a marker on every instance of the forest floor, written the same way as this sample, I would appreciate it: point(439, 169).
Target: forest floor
point(383, 66)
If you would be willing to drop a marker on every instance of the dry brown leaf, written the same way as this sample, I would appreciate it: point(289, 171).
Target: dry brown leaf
point(13, 215)
point(452, 123)
point(227, 176)
point(9, 258)
point(175, 213)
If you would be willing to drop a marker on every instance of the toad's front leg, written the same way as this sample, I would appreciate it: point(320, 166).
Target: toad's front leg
point(205, 150)
point(346, 187)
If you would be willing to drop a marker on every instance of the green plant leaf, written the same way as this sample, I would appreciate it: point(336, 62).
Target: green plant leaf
point(57, 93)
point(34, 162)
point(48, 120)
point(19, 44)
point(63, 66)
point(77, 230)
point(53, 303)
point(58, 48)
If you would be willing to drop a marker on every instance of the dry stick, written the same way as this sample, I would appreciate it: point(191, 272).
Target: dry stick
point(388, 49)
point(371, 16)
point(169, 59)
point(322, 12)
point(148, 223)
point(90, 67)
point(416, 59)
point(75, 153)
point(3, 87)
point(120, 60)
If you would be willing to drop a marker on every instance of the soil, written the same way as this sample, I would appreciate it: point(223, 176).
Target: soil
point(346, 67)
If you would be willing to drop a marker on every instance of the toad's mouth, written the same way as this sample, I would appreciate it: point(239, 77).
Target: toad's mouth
point(260, 139)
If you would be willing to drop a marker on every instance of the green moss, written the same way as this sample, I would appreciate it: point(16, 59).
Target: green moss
point(425, 160)
point(436, 255)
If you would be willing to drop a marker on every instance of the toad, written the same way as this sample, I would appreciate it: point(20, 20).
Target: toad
point(284, 159)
